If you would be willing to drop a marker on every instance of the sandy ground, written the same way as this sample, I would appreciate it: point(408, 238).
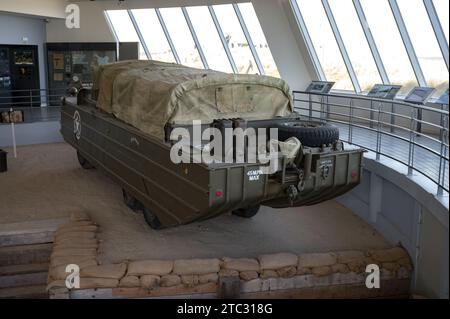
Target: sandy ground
point(46, 182)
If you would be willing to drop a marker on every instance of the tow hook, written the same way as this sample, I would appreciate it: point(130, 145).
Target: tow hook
point(292, 193)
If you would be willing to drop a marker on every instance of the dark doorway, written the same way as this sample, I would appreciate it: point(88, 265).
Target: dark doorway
point(19, 75)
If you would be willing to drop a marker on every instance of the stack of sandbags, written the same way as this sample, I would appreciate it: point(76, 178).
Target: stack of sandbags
point(245, 268)
point(74, 243)
point(278, 265)
point(152, 274)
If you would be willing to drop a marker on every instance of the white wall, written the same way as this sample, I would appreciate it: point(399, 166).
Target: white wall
point(285, 42)
point(41, 8)
point(14, 27)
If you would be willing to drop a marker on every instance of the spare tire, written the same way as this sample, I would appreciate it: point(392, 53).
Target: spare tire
point(309, 133)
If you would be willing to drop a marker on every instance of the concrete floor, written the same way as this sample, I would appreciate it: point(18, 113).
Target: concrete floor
point(45, 181)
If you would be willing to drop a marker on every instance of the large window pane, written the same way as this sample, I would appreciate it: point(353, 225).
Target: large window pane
point(443, 12)
point(124, 29)
point(153, 35)
point(237, 43)
point(258, 38)
point(389, 43)
point(425, 43)
point(209, 39)
point(181, 37)
point(355, 42)
point(325, 43)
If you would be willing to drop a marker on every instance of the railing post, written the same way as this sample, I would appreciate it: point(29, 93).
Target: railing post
point(328, 108)
point(350, 123)
point(392, 117)
point(378, 146)
point(371, 114)
point(411, 141)
point(442, 153)
point(31, 98)
point(310, 107)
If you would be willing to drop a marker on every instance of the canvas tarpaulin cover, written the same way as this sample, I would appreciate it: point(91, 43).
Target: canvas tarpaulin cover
point(150, 94)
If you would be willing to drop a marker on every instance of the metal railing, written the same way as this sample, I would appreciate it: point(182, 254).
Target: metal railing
point(36, 104)
point(413, 135)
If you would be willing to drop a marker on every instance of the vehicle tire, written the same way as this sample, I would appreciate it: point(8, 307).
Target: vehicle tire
point(131, 201)
point(248, 212)
point(309, 133)
point(151, 219)
point(84, 162)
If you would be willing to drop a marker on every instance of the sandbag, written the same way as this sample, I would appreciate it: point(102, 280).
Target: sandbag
point(190, 280)
point(248, 275)
point(240, 264)
point(322, 271)
point(150, 281)
point(275, 261)
point(65, 260)
point(74, 252)
point(317, 260)
point(129, 282)
point(59, 272)
point(212, 277)
point(150, 267)
point(196, 266)
point(287, 272)
point(113, 271)
point(170, 280)
point(344, 257)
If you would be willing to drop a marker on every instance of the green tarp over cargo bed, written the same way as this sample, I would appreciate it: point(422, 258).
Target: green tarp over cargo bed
point(149, 94)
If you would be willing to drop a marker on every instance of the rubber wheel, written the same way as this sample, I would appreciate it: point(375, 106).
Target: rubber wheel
point(151, 219)
point(309, 133)
point(248, 212)
point(84, 162)
point(131, 201)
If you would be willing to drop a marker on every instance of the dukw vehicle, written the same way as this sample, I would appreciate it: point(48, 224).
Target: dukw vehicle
point(123, 126)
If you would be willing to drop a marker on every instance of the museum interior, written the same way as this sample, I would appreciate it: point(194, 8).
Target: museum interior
point(91, 93)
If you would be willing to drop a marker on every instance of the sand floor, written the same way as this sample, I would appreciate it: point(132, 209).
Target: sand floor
point(45, 181)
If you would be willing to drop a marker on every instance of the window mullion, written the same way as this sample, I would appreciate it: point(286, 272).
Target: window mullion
point(166, 33)
point(437, 27)
point(341, 46)
point(195, 38)
point(407, 42)
point(304, 31)
point(139, 34)
point(249, 39)
point(222, 38)
point(371, 41)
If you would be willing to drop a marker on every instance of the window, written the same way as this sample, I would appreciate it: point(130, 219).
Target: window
point(209, 39)
point(191, 35)
point(258, 38)
point(153, 35)
point(355, 42)
point(390, 44)
point(181, 37)
point(324, 43)
point(441, 7)
point(126, 32)
point(425, 44)
point(236, 41)
point(381, 45)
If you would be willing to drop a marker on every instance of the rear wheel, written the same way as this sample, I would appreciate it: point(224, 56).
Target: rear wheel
point(246, 212)
point(151, 219)
point(309, 133)
point(84, 162)
point(131, 201)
